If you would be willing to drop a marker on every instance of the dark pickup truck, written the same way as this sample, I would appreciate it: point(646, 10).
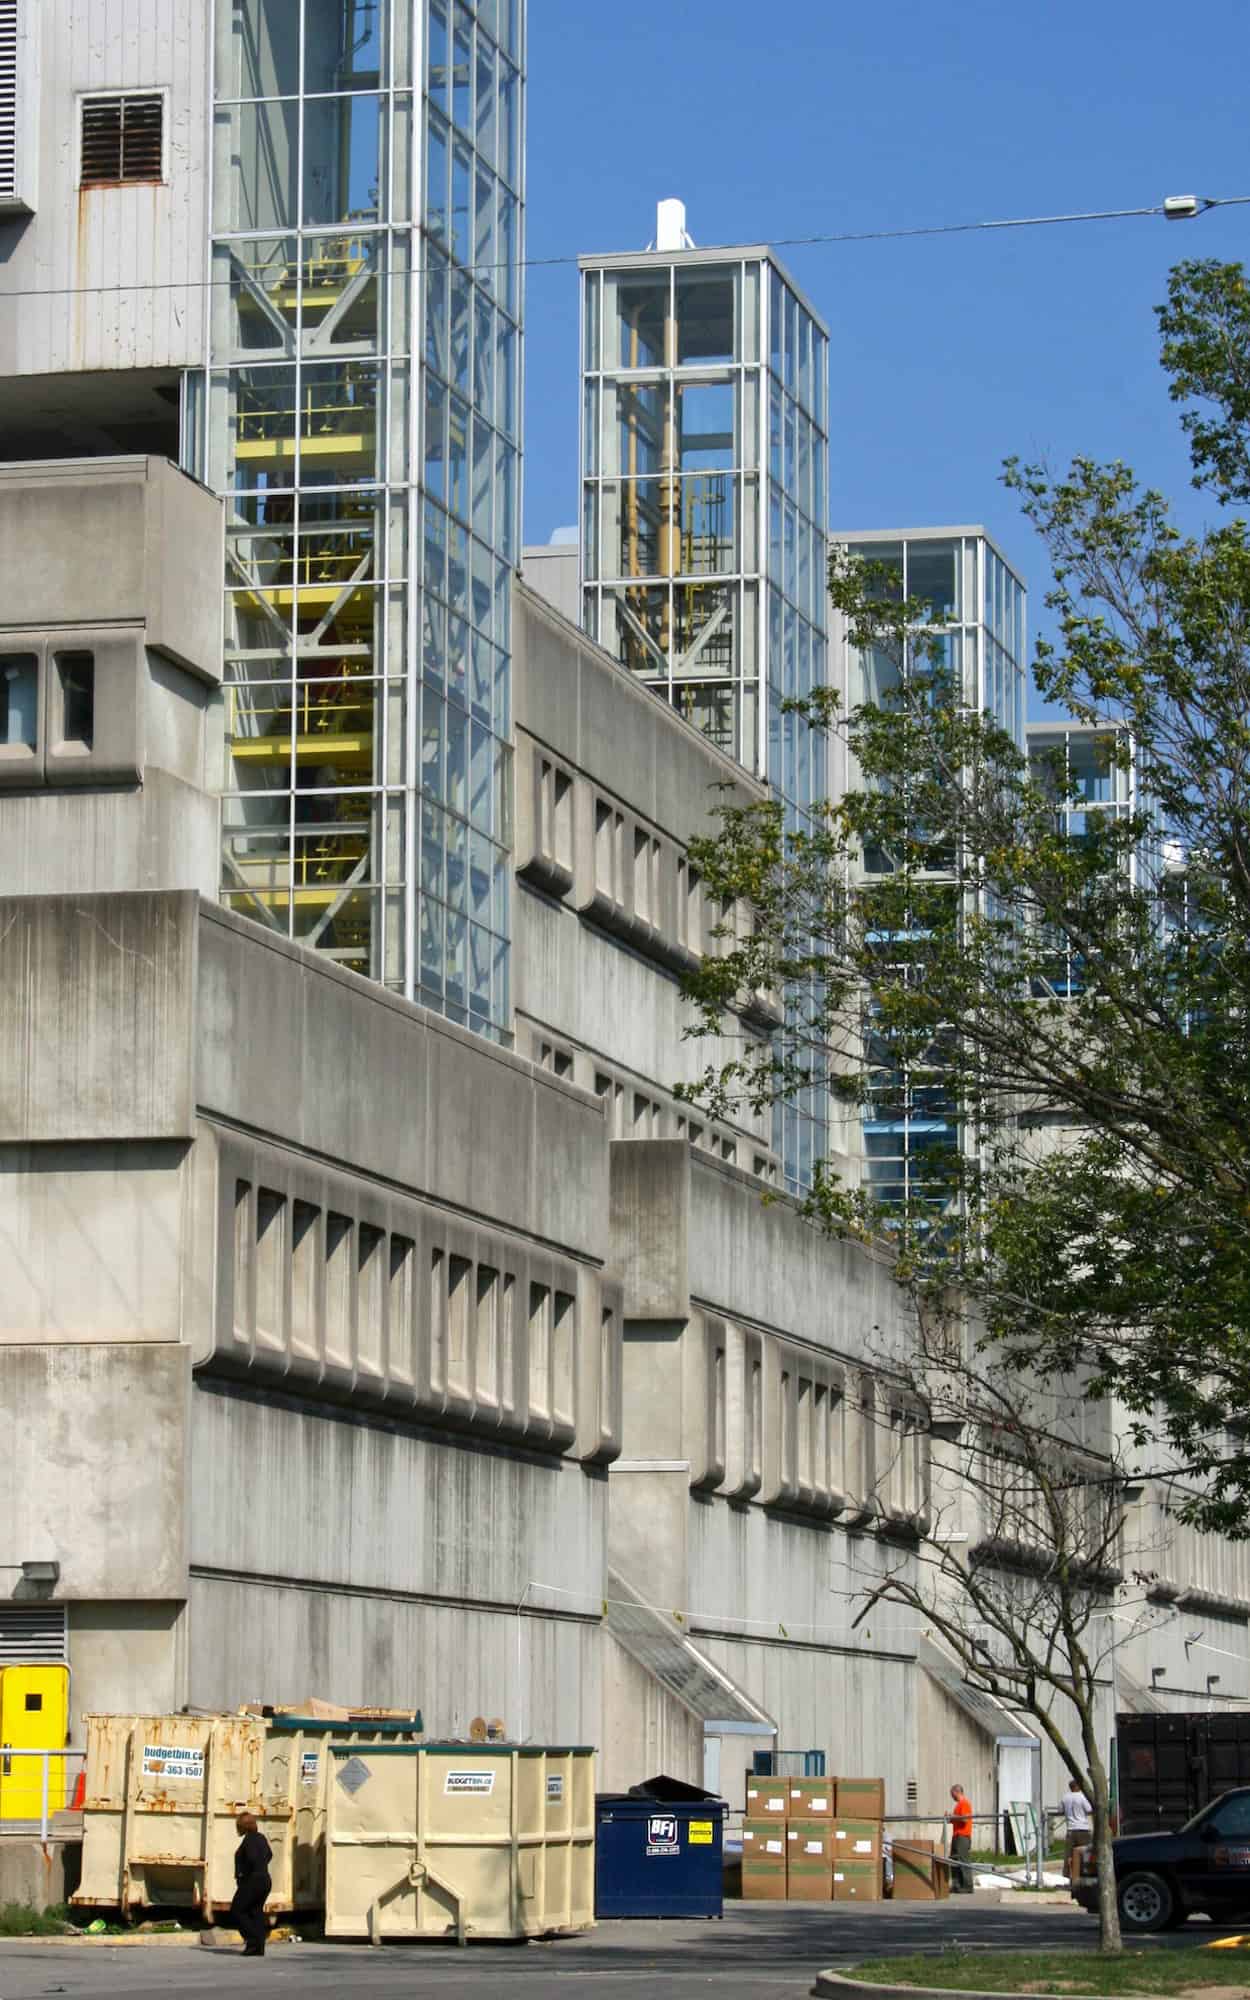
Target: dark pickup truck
point(1163, 1878)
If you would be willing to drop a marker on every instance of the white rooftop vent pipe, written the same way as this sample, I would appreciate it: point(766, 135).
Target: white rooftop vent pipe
point(670, 226)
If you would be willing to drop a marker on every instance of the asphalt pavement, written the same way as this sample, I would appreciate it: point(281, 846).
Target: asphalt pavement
point(759, 1951)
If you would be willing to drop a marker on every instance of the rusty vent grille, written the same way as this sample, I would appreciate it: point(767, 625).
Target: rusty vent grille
point(8, 99)
point(32, 1633)
point(121, 139)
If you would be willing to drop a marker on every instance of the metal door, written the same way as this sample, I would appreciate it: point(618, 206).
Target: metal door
point(34, 1715)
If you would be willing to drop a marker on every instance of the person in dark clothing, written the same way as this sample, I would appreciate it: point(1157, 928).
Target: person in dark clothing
point(252, 1885)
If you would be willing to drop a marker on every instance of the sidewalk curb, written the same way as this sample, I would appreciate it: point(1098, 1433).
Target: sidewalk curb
point(868, 1989)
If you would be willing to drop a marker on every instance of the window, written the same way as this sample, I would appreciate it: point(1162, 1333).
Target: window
point(122, 140)
point(75, 681)
point(1231, 1818)
point(19, 702)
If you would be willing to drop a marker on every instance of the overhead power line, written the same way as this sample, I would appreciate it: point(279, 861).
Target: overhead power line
point(1173, 208)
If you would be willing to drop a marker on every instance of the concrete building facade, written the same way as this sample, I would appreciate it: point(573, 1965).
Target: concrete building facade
point(356, 1340)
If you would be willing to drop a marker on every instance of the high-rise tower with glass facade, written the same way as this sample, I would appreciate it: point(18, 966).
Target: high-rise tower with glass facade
point(704, 478)
point(361, 413)
point(974, 605)
point(705, 452)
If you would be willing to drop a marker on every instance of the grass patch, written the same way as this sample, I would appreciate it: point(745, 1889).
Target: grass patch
point(19, 1920)
point(1075, 1972)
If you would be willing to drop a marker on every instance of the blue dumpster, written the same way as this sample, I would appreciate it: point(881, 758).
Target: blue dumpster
point(658, 1857)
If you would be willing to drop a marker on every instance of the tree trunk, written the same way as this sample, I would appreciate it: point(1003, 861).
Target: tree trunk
point(1109, 1939)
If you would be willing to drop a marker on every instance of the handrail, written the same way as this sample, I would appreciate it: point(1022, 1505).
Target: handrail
point(9, 1751)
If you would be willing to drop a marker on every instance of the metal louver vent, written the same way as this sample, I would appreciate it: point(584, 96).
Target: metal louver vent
point(121, 139)
point(32, 1633)
point(8, 100)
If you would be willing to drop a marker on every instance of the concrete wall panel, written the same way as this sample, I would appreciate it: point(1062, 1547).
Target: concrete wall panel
point(92, 1242)
point(343, 1069)
point(96, 1004)
point(92, 1444)
point(253, 1641)
point(123, 1658)
point(164, 836)
point(282, 1490)
point(114, 541)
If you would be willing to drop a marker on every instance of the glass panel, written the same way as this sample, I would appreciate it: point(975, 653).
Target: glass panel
point(705, 425)
point(711, 708)
point(508, 156)
point(703, 629)
point(257, 48)
point(255, 297)
point(338, 423)
point(485, 250)
point(342, 44)
point(486, 103)
point(638, 308)
point(932, 576)
point(885, 560)
point(705, 316)
point(590, 321)
point(256, 155)
point(342, 171)
point(749, 341)
point(339, 292)
point(263, 444)
point(437, 80)
point(461, 203)
point(462, 71)
point(635, 427)
point(437, 185)
point(707, 540)
point(335, 742)
point(637, 525)
point(634, 627)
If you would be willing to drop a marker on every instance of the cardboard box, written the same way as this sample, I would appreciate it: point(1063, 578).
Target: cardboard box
point(857, 1840)
point(767, 1798)
point(763, 1861)
point(809, 1860)
point(857, 1881)
point(914, 1871)
point(811, 1798)
point(860, 1798)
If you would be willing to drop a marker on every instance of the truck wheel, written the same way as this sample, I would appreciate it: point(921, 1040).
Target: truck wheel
point(1146, 1903)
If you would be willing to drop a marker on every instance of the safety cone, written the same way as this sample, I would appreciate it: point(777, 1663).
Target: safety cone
point(80, 1792)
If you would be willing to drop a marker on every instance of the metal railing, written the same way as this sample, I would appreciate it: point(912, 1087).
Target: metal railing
point(50, 1786)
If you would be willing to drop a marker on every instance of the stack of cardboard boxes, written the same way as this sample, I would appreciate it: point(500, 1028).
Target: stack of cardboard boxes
point(812, 1839)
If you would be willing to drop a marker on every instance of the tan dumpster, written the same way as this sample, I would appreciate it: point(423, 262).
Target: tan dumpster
point(162, 1792)
point(465, 1839)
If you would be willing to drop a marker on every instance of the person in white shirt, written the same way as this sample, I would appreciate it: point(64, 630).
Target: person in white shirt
point(1078, 1817)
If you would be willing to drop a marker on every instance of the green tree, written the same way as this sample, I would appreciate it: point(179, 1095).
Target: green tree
point(944, 943)
point(1074, 1008)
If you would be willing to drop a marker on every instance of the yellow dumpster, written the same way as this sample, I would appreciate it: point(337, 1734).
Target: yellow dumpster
point(464, 1840)
point(163, 1791)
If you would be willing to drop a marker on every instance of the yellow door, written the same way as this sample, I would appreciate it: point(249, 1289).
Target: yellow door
point(34, 1715)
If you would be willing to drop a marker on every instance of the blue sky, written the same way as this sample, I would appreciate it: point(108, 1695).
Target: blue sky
point(946, 355)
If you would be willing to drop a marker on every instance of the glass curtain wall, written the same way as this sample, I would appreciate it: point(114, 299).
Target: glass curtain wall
point(1085, 767)
point(704, 464)
point(362, 420)
point(704, 496)
point(976, 605)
